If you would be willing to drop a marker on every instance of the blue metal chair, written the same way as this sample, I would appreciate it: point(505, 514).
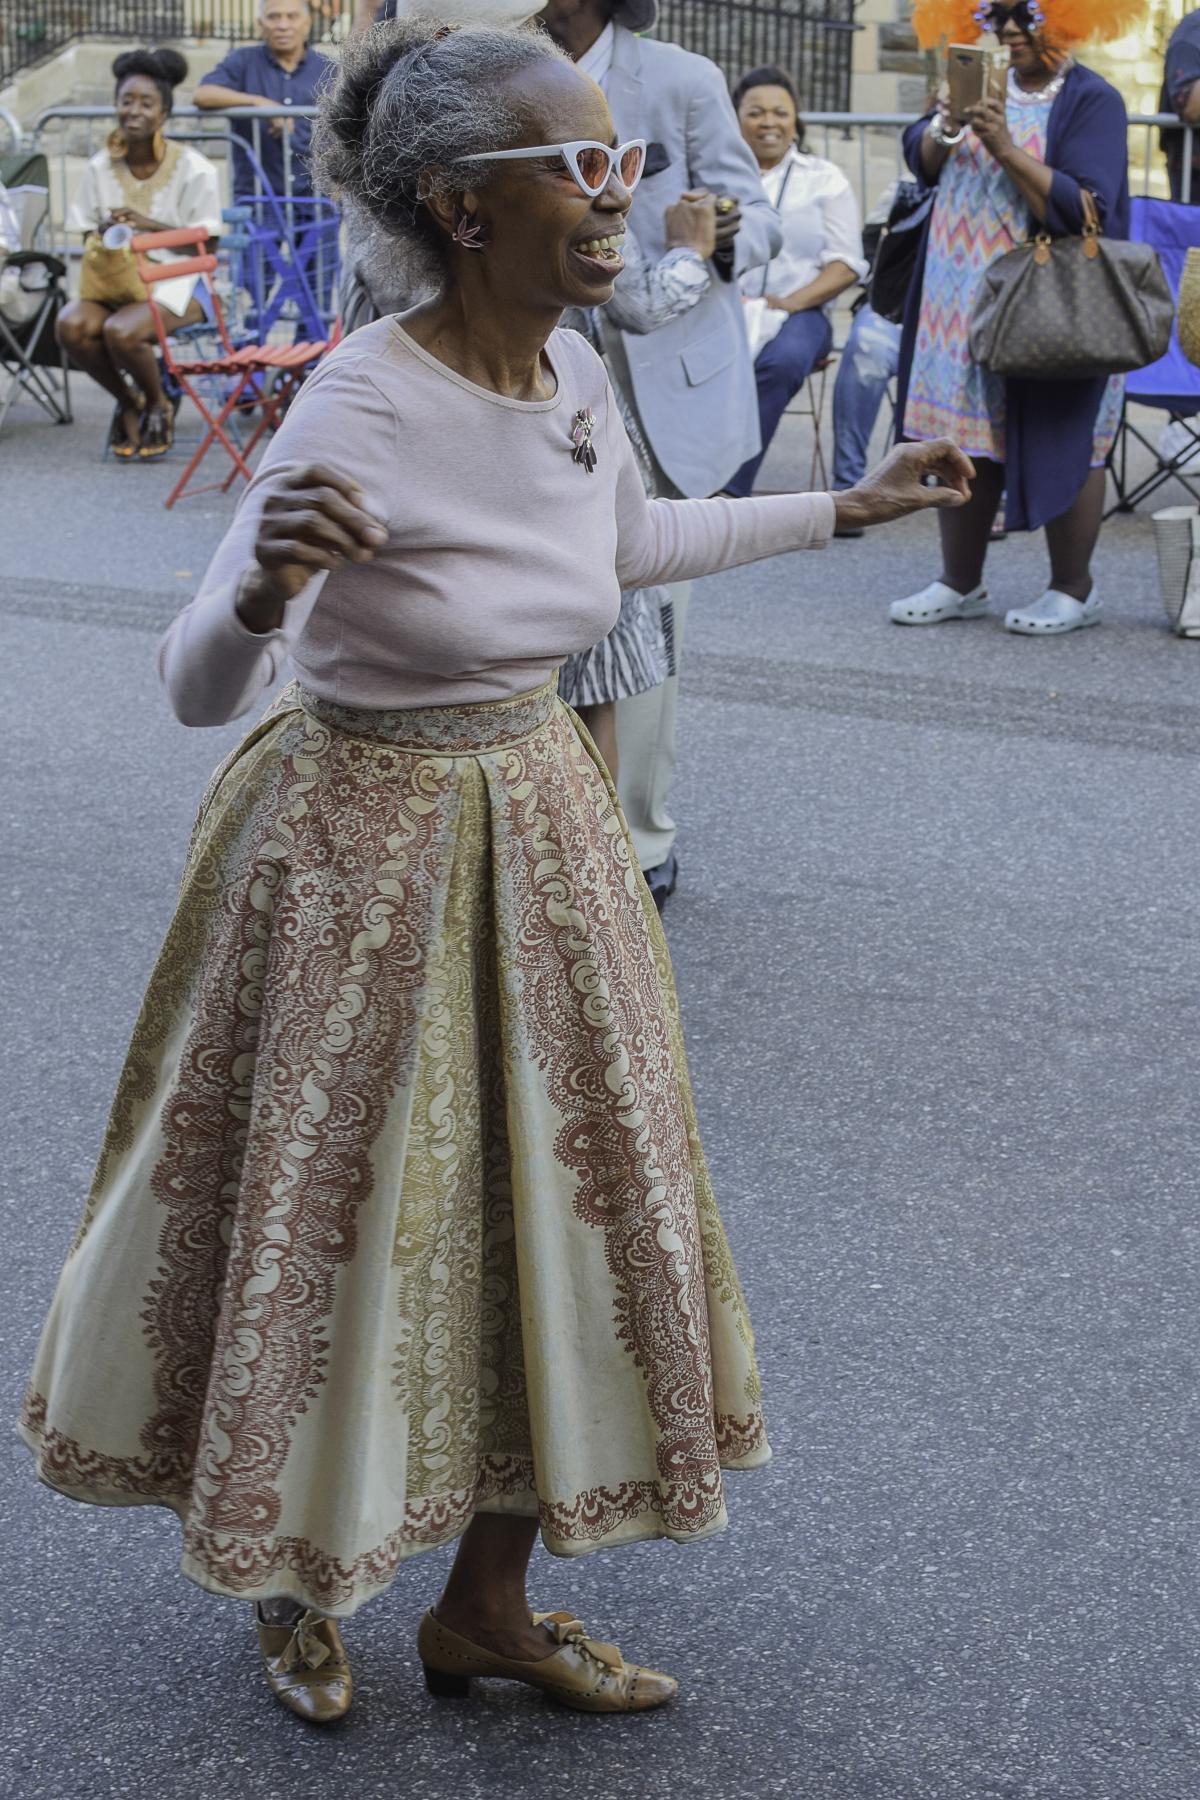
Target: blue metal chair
point(289, 264)
point(1172, 384)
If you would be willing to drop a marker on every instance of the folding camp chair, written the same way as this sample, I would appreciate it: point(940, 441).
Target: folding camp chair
point(32, 362)
point(1172, 384)
point(218, 386)
point(809, 403)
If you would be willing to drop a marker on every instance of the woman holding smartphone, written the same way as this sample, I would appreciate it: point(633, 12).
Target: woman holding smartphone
point(1010, 167)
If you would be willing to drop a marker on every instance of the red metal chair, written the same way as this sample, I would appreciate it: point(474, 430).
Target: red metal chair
point(235, 377)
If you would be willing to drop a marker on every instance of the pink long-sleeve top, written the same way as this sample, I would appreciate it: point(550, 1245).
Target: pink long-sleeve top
point(503, 554)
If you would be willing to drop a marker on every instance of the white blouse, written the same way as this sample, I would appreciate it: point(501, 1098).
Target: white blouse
point(185, 189)
point(821, 224)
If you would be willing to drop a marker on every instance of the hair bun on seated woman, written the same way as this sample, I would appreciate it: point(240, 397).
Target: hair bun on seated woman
point(163, 65)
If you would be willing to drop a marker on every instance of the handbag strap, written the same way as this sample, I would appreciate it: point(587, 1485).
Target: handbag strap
point(1042, 243)
point(778, 205)
point(1091, 214)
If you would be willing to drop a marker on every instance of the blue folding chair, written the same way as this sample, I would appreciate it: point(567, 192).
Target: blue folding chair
point(1172, 384)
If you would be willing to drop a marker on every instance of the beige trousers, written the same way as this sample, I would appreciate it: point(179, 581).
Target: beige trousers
point(646, 742)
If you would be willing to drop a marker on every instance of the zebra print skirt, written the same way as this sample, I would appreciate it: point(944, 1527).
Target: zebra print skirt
point(637, 654)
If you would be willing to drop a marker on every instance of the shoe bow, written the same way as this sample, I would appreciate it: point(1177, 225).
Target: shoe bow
point(304, 1649)
point(569, 1630)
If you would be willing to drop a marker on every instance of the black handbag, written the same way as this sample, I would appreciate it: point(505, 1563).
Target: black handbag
point(896, 258)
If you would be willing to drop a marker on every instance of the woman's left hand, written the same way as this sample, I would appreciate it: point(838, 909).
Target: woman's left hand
point(911, 478)
point(125, 215)
point(989, 122)
point(776, 303)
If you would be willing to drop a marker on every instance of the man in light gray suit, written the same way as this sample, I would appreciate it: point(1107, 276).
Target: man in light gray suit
point(692, 381)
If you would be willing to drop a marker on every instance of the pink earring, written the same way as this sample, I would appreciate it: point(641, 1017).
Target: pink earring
point(466, 234)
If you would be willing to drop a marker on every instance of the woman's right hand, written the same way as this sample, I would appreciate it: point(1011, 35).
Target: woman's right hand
point(910, 478)
point(692, 223)
point(315, 521)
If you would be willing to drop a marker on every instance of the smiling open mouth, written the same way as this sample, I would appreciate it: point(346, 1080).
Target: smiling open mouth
point(603, 253)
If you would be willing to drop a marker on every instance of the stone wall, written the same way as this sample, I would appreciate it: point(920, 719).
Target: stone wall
point(890, 73)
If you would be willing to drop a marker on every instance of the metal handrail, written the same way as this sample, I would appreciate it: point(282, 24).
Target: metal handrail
point(180, 112)
point(12, 125)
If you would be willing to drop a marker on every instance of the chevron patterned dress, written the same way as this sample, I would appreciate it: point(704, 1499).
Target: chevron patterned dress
point(977, 216)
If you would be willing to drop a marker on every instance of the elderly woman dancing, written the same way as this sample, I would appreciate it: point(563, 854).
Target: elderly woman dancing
point(402, 1229)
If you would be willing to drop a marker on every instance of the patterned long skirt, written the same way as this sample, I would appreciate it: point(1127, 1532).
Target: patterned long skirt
point(401, 1214)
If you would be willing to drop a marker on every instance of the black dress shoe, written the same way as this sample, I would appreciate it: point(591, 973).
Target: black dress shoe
point(661, 880)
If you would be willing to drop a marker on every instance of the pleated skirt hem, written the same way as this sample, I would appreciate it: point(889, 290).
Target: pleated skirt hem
point(402, 1198)
point(615, 1519)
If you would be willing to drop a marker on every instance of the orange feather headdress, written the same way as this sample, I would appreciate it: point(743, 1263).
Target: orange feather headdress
point(1067, 22)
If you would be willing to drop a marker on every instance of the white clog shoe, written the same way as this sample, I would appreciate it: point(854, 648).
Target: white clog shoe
point(936, 604)
point(1053, 614)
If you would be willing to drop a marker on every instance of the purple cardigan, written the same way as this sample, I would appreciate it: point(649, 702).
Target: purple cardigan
point(1049, 423)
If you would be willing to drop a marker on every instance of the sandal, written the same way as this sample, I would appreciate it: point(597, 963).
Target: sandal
point(119, 441)
point(158, 432)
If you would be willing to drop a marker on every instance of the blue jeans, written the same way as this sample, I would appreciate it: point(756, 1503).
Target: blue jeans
point(870, 359)
point(780, 371)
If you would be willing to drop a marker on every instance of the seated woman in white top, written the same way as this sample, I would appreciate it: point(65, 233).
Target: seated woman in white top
point(787, 303)
point(141, 180)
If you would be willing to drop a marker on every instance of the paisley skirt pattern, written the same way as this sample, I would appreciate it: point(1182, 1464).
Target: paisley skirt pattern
point(401, 1213)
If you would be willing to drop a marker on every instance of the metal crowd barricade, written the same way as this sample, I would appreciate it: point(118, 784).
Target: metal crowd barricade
point(69, 135)
point(854, 140)
point(867, 147)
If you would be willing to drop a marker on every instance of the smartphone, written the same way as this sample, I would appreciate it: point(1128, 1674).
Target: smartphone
point(972, 72)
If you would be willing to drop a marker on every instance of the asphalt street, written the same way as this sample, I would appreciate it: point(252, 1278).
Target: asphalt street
point(935, 938)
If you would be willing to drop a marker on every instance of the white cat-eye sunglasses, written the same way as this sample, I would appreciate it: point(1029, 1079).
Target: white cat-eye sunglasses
point(593, 165)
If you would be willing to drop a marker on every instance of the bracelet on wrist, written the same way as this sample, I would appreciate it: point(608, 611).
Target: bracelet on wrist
point(939, 134)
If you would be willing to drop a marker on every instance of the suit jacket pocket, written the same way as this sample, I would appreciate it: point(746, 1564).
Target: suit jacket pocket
point(706, 358)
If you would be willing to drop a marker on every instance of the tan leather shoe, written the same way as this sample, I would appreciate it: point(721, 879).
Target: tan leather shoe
point(307, 1669)
point(582, 1673)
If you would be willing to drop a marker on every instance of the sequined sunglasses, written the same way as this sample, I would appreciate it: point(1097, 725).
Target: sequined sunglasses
point(593, 165)
point(1026, 15)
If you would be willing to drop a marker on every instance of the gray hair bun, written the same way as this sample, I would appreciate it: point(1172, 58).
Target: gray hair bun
point(410, 98)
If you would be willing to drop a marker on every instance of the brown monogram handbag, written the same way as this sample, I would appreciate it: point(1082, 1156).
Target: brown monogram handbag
point(1072, 308)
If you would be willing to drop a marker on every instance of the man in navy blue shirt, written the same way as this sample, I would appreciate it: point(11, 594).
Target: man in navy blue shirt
point(1181, 94)
point(282, 70)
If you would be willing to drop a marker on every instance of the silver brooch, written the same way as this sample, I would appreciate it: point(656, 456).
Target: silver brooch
point(582, 427)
